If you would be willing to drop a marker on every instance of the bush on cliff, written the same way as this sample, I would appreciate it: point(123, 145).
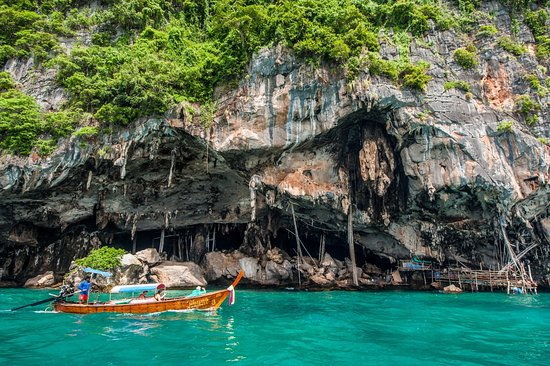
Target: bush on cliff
point(465, 58)
point(23, 125)
point(103, 258)
point(19, 122)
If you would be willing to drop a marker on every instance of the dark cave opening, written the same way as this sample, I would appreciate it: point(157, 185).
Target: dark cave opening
point(384, 263)
point(335, 245)
point(178, 243)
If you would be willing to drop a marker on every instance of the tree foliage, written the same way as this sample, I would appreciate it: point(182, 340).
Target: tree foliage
point(141, 57)
point(103, 258)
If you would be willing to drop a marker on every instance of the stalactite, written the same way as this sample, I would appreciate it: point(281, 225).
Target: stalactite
point(124, 157)
point(134, 226)
point(172, 163)
point(89, 181)
point(254, 184)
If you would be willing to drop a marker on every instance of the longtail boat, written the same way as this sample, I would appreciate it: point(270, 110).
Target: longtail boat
point(207, 301)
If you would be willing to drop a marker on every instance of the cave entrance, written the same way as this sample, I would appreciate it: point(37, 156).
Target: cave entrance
point(335, 245)
point(177, 244)
point(385, 264)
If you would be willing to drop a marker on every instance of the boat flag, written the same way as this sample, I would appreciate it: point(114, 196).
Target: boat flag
point(231, 295)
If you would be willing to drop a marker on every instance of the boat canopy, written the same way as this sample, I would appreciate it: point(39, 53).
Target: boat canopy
point(137, 288)
point(97, 271)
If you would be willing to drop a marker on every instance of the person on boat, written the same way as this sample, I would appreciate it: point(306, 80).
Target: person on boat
point(159, 295)
point(84, 288)
point(142, 295)
point(197, 291)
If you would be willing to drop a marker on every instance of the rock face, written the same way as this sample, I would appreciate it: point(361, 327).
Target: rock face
point(44, 280)
point(175, 274)
point(421, 173)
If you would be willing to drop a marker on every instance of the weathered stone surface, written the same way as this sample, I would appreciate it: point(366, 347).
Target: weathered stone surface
point(217, 265)
point(43, 280)
point(132, 260)
point(131, 270)
point(177, 274)
point(150, 256)
point(251, 268)
point(452, 289)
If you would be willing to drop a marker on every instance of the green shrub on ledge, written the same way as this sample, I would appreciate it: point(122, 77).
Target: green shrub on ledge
point(465, 58)
point(505, 126)
point(509, 45)
point(6, 82)
point(528, 108)
point(457, 84)
point(415, 76)
point(486, 31)
point(536, 85)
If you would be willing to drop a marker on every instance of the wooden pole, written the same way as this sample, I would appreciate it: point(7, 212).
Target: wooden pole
point(180, 250)
point(477, 288)
point(490, 280)
point(214, 240)
point(298, 248)
point(161, 245)
point(189, 247)
point(351, 246)
point(424, 276)
point(322, 247)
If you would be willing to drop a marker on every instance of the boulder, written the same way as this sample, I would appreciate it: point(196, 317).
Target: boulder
point(150, 256)
point(319, 280)
point(131, 271)
point(396, 277)
point(217, 265)
point(328, 261)
point(275, 255)
point(275, 273)
point(129, 260)
point(452, 289)
point(179, 274)
point(42, 280)
point(251, 268)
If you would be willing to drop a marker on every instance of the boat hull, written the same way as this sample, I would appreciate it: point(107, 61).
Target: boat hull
point(208, 301)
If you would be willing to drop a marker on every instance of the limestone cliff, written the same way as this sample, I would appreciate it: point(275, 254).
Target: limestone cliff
point(422, 173)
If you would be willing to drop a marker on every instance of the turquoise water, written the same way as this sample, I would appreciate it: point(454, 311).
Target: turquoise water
point(289, 328)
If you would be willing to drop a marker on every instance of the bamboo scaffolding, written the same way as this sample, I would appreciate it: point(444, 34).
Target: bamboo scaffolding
point(351, 246)
point(298, 247)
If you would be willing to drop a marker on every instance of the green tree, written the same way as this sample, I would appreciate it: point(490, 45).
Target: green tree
point(19, 122)
point(103, 258)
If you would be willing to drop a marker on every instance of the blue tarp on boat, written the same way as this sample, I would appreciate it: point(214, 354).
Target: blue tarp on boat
point(97, 271)
point(136, 288)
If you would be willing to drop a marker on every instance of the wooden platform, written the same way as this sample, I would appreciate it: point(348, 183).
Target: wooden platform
point(482, 280)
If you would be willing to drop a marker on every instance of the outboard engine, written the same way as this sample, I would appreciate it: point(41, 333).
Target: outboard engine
point(66, 291)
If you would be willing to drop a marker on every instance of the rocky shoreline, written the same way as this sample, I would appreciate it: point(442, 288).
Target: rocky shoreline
point(276, 270)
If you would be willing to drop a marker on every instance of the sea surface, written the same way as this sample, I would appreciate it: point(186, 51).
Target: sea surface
point(288, 328)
